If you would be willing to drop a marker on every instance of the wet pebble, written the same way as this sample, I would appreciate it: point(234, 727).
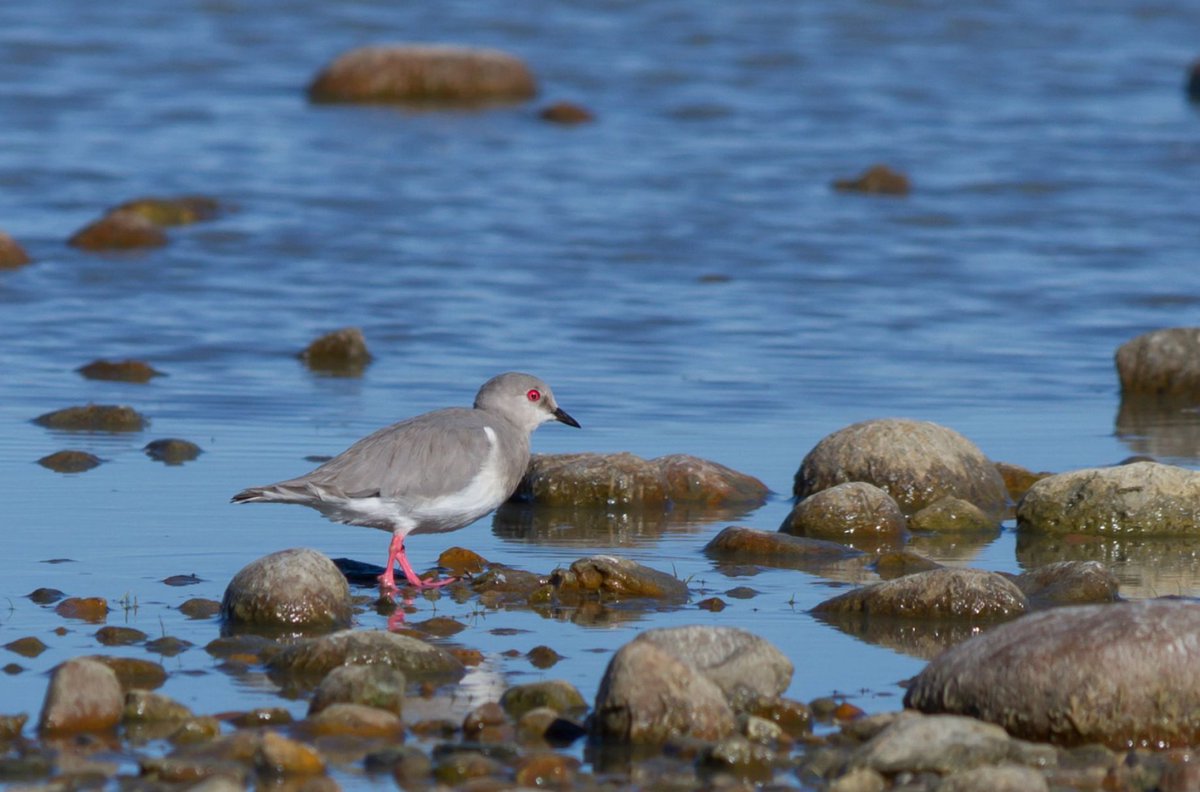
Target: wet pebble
point(742, 544)
point(342, 352)
point(119, 370)
point(1163, 362)
point(83, 696)
point(134, 672)
point(199, 608)
point(615, 578)
point(1118, 674)
point(280, 756)
point(45, 596)
point(1142, 498)
point(112, 635)
point(357, 720)
point(89, 609)
point(543, 657)
point(119, 230)
point(29, 646)
point(877, 179)
point(461, 561)
point(168, 646)
point(93, 418)
point(172, 450)
point(422, 74)
point(953, 515)
point(916, 462)
point(375, 685)
point(297, 589)
point(70, 460)
point(546, 770)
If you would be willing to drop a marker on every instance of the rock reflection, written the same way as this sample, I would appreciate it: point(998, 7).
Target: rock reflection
point(1145, 566)
point(1160, 426)
point(920, 639)
point(574, 526)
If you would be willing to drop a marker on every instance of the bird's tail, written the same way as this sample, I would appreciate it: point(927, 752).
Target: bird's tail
point(273, 493)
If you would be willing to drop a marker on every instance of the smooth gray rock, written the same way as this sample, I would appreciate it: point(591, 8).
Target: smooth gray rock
point(84, 695)
point(1006, 777)
point(415, 658)
point(742, 665)
point(939, 744)
point(297, 589)
point(1162, 362)
point(916, 462)
point(849, 512)
point(942, 593)
point(1142, 498)
point(375, 685)
point(1121, 674)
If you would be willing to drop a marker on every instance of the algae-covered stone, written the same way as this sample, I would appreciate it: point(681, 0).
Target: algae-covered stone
point(416, 658)
point(419, 73)
point(172, 450)
point(953, 515)
point(119, 231)
point(556, 694)
point(297, 589)
point(83, 696)
point(70, 460)
point(878, 179)
point(846, 512)
point(341, 352)
point(119, 370)
point(916, 462)
point(690, 479)
point(1121, 674)
point(1143, 498)
point(615, 578)
point(94, 418)
point(943, 593)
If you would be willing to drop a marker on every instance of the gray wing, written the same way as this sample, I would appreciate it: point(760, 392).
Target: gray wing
point(418, 458)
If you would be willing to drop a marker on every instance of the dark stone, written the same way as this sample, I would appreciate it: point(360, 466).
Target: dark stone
point(93, 418)
point(172, 450)
point(119, 370)
point(70, 461)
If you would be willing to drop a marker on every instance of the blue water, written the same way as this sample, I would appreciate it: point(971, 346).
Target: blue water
point(1055, 163)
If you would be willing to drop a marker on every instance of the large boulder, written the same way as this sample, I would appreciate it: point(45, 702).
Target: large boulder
point(916, 462)
point(1121, 674)
point(292, 590)
point(1141, 498)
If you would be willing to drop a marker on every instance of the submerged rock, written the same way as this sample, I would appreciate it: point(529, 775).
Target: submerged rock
point(297, 590)
point(877, 179)
point(554, 694)
point(851, 512)
point(172, 211)
point(916, 462)
point(1142, 498)
point(172, 450)
point(341, 352)
point(953, 515)
point(566, 113)
point(943, 593)
point(415, 73)
point(415, 658)
point(1018, 480)
point(1121, 674)
point(12, 255)
point(93, 418)
point(83, 696)
point(70, 460)
point(739, 544)
point(119, 231)
point(119, 370)
point(1161, 363)
point(626, 480)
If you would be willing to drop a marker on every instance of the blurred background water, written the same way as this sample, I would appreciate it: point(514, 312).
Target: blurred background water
point(680, 271)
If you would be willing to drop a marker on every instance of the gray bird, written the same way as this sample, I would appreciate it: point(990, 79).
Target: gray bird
point(433, 473)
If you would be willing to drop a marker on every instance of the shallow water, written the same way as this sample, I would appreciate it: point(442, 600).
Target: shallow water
point(1054, 159)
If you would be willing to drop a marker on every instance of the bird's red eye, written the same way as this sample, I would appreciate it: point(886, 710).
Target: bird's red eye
point(534, 394)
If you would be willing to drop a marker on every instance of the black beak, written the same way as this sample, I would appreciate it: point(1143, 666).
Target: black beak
point(561, 415)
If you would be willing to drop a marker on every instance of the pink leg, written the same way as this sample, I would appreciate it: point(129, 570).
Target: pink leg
point(387, 581)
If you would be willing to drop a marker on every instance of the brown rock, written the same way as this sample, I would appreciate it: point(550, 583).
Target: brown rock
point(901, 563)
point(29, 646)
point(555, 694)
point(620, 480)
point(616, 578)
point(83, 696)
point(199, 608)
point(70, 461)
point(89, 609)
point(461, 561)
point(423, 74)
point(356, 720)
point(1069, 583)
point(379, 686)
point(845, 513)
point(953, 515)
point(146, 705)
point(119, 370)
point(172, 450)
point(119, 231)
point(738, 543)
point(1018, 480)
point(546, 770)
point(943, 593)
point(279, 756)
point(877, 180)
point(916, 462)
point(295, 590)
point(318, 656)
point(134, 672)
point(566, 113)
point(341, 352)
point(1121, 674)
point(690, 479)
point(12, 255)
point(93, 418)
point(111, 635)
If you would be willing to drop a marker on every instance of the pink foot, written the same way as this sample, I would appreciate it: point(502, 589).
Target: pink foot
point(387, 581)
